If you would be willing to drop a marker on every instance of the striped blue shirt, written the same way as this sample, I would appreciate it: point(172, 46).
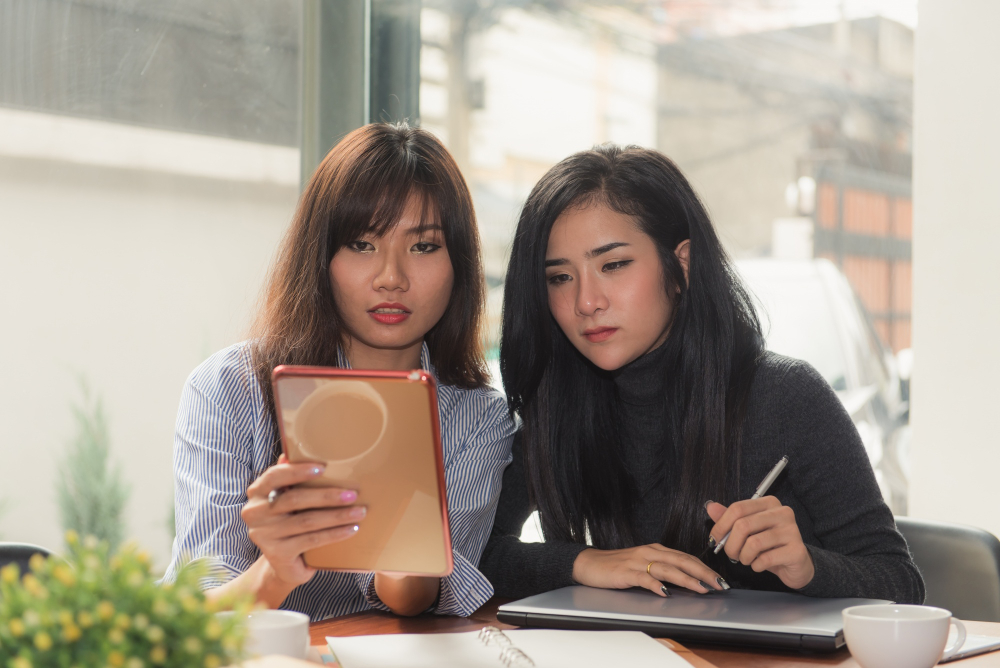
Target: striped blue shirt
point(225, 440)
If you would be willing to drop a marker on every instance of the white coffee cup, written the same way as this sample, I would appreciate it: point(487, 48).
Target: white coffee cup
point(281, 632)
point(900, 636)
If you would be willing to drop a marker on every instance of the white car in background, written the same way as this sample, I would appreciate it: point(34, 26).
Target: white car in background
point(809, 311)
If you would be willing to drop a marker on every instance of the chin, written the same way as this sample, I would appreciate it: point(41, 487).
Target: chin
point(608, 359)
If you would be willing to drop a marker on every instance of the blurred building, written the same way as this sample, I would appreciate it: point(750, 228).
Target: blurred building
point(812, 121)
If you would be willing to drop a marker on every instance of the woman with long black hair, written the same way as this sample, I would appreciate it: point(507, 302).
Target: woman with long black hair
point(651, 410)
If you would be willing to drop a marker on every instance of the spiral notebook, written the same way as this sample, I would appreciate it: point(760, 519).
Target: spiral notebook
point(515, 649)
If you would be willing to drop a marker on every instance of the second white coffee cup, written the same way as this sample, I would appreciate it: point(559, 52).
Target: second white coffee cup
point(281, 632)
point(900, 636)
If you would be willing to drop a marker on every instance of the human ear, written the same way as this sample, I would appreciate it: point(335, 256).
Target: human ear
point(683, 253)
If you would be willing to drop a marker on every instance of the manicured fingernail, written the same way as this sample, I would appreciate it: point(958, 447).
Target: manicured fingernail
point(722, 582)
point(317, 470)
point(711, 541)
point(733, 561)
point(358, 513)
point(710, 589)
point(708, 502)
point(666, 592)
point(349, 496)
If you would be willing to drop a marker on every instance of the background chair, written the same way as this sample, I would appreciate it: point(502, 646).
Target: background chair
point(960, 565)
point(20, 553)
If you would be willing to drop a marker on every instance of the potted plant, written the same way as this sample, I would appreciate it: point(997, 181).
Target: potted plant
point(93, 608)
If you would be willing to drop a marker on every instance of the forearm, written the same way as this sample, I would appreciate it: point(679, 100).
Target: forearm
point(258, 582)
point(885, 576)
point(407, 595)
point(519, 569)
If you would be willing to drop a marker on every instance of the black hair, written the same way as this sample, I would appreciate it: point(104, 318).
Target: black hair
point(571, 444)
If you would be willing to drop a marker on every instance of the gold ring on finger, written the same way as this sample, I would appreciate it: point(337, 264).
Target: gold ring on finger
point(648, 566)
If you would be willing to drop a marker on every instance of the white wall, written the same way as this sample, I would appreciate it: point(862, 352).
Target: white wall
point(129, 275)
point(956, 264)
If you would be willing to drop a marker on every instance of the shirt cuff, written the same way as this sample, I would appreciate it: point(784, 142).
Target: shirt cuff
point(822, 584)
point(462, 593)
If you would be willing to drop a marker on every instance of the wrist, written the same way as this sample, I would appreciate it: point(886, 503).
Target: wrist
point(268, 587)
point(580, 564)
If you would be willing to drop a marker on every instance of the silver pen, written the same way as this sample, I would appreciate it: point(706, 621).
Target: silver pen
point(761, 491)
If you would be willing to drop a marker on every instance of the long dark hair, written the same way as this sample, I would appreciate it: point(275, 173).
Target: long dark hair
point(362, 187)
point(571, 442)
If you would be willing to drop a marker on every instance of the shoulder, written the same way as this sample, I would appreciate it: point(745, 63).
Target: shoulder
point(788, 377)
point(226, 377)
point(477, 414)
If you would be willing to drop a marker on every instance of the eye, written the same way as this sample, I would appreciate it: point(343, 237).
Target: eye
point(558, 279)
point(425, 247)
point(616, 265)
point(360, 246)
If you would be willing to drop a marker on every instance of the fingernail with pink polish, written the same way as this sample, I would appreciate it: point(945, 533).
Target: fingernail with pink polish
point(349, 496)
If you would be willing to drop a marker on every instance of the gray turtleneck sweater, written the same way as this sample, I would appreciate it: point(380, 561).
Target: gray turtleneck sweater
point(847, 528)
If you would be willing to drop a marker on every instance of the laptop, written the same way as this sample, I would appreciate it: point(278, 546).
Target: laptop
point(734, 617)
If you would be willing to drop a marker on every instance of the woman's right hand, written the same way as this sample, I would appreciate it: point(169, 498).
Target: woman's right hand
point(298, 519)
point(645, 566)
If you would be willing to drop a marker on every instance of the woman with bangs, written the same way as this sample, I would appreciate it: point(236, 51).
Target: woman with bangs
point(380, 269)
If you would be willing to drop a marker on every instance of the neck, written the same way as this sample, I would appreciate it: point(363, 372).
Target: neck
point(362, 356)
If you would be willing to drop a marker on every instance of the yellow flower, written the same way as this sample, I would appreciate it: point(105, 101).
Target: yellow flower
point(43, 641)
point(31, 618)
point(72, 537)
point(116, 636)
point(189, 603)
point(142, 557)
point(122, 621)
point(158, 655)
point(213, 630)
point(20, 662)
point(155, 634)
point(37, 562)
point(192, 645)
point(64, 575)
point(85, 619)
point(34, 587)
point(212, 661)
point(134, 662)
point(16, 627)
point(65, 617)
point(10, 573)
point(91, 563)
point(161, 608)
point(90, 542)
point(105, 610)
point(71, 632)
point(230, 644)
point(140, 621)
point(134, 579)
point(116, 658)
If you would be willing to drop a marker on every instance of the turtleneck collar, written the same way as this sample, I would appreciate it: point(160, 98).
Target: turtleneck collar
point(642, 381)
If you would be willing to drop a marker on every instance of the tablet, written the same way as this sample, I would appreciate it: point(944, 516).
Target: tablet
point(376, 432)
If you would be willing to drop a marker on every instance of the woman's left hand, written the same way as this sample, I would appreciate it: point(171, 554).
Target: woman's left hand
point(764, 536)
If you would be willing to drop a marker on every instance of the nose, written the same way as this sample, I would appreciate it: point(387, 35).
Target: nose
point(590, 296)
point(391, 273)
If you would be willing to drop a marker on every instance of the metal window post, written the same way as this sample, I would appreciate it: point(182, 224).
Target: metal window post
point(360, 62)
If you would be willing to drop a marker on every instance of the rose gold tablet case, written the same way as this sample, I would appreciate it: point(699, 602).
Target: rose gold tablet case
point(378, 433)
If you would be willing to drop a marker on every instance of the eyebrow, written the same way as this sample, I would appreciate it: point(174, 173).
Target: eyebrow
point(424, 228)
point(600, 250)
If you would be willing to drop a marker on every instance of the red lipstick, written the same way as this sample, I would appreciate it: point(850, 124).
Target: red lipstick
point(599, 334)
point(389, 313)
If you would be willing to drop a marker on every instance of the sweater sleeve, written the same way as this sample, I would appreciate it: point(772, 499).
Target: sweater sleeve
point(860, 552)
point(515, 568)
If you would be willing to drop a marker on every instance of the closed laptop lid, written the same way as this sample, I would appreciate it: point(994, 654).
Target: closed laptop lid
point(742, 609)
